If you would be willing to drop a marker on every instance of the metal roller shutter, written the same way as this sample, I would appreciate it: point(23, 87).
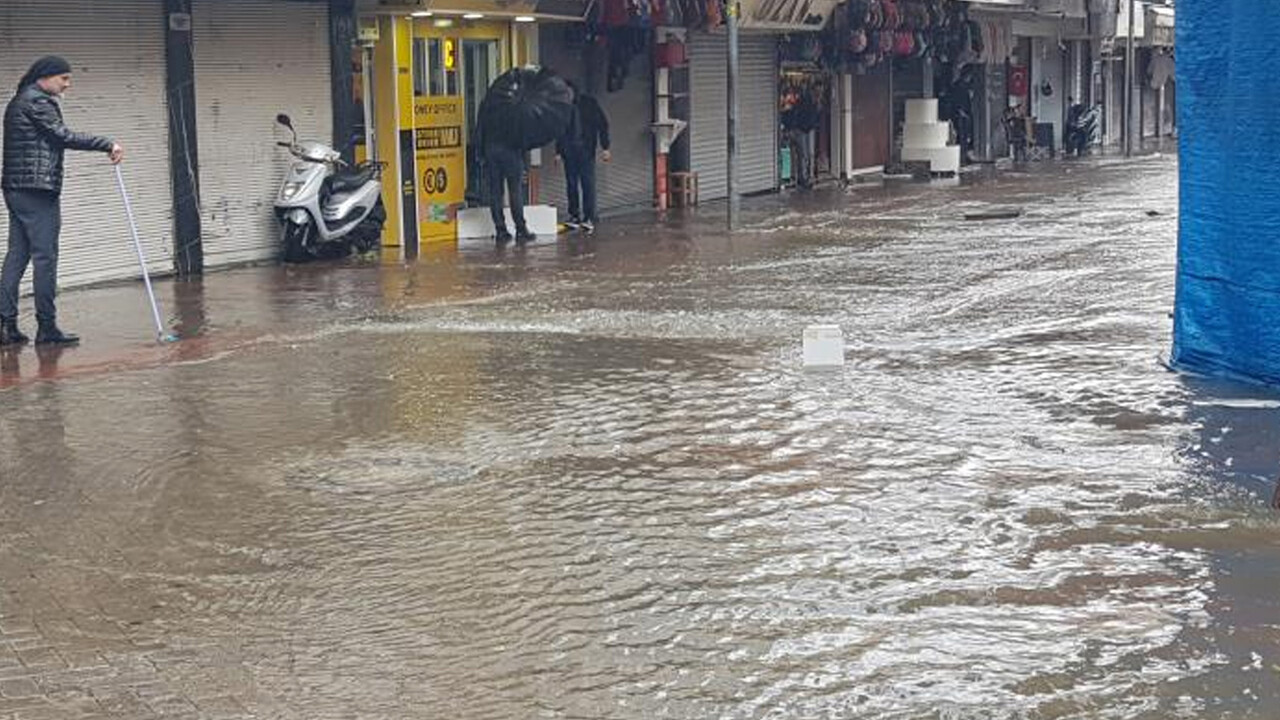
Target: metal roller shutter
point(757, 113)
point(254, 59)
point(709, 101)
point(627, 181)
point(117, 52)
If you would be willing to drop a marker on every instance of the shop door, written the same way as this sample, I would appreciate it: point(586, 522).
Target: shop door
point(870, 105)
point(757, 114)
point(439, 116)
point(118, 51)
point(480, 62)
point(452, 69)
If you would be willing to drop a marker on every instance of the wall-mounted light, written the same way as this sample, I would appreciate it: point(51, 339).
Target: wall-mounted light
point(442, 23)
point(525, 18)
point(473, 16)
point(423, 13)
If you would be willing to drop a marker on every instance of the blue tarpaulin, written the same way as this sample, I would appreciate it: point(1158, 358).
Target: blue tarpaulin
point(1227, 310)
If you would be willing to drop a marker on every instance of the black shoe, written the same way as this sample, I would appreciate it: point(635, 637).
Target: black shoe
point(502, 237)
point(11, 335)
point(523, 236)
point(49, 334)
point(573, 223)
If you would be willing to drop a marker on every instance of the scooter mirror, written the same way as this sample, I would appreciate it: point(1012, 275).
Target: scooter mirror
point(284, 120)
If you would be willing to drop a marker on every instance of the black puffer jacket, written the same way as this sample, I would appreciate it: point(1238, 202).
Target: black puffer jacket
point(34, 140)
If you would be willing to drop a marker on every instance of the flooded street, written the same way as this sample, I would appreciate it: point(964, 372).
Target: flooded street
point(589, 479)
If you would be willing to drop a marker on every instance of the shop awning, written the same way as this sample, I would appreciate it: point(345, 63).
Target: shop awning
point(548, 9)
point(1061, 8)
point(785, 15)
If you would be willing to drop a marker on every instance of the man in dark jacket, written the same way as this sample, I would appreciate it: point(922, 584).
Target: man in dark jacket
point(587, 133)
point(504, 164)
point(35, 139)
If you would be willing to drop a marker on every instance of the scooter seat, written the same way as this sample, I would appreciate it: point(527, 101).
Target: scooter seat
point(353, 179)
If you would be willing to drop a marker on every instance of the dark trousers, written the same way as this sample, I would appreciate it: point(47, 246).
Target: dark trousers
point(580, 184)
point(801, 159)
point(35, 220)
point(506, 171)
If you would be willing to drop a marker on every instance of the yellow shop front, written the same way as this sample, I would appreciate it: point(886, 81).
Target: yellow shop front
point(425, 67)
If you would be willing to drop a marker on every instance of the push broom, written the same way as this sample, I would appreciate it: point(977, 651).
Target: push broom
point(161, 335)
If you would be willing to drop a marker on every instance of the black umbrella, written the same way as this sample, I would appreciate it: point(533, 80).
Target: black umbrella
point(526, 108)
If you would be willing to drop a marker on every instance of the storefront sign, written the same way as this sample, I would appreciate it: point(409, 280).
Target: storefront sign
point(441, 160)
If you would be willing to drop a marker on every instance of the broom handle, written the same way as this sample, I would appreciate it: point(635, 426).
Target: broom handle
point(142, 260)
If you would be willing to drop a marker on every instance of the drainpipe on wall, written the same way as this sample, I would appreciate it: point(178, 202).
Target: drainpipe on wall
point(846, 126)
point(668, 53)
point(1128, 83)
point(184, 164)
point(731, 124)
point(342, 39)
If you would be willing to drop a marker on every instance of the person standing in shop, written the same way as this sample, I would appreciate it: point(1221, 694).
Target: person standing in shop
point(588, 134)
point(35, 140)
point(799, 120)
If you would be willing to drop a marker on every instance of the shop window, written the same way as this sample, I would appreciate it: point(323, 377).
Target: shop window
point(421, 68)
point(435, 67)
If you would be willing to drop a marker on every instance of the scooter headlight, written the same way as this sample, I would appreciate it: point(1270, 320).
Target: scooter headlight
point(290, 190)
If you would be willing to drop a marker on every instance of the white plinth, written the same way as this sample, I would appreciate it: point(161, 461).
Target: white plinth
point(823, 346)
point(940, 159)
point(925, 139)
point(930, 134)
point(922, 111)
point(476, 223)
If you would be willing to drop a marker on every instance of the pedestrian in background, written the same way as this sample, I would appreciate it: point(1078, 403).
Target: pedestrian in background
point(1015, 128)
point(800, 118)
point(35, 139)
point(588, 134)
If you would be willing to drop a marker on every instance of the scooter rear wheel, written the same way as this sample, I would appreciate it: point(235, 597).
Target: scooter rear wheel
point(293, 238)
point(367, 236)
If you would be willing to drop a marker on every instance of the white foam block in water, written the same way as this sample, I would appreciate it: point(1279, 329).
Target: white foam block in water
point(823, 346)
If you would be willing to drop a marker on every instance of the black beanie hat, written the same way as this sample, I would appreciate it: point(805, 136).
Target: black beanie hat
point(43, 68)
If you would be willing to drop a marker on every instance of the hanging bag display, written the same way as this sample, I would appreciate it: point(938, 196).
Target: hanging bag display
point(904, 43)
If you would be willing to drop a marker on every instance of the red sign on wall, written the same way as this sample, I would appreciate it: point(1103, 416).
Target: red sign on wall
point(1018, 82)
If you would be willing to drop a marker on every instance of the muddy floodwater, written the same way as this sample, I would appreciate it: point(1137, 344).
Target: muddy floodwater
point(589, 478)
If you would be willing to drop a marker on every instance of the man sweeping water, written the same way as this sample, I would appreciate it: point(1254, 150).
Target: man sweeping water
point(35, 139)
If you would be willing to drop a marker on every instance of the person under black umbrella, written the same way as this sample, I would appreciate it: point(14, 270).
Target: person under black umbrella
point(525, 108)
point(504, 162)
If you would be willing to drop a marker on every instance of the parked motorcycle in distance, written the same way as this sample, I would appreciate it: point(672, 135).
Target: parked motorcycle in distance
point(326, 207)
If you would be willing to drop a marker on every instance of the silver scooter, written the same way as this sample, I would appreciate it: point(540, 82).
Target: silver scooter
point(326, 207)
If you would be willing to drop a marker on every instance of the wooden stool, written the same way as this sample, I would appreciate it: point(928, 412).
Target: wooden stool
point(683, 190)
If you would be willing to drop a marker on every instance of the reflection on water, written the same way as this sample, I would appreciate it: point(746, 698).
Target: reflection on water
point(587, 478)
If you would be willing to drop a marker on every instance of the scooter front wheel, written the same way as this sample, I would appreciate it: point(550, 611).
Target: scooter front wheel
point(293, 238)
